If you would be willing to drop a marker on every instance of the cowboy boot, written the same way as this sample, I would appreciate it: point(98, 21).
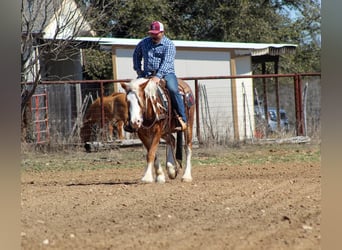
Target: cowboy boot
point(182, 124)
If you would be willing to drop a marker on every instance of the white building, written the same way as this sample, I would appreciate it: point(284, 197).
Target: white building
point(229, 106)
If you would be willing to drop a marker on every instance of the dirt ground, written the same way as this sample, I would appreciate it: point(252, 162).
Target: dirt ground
point(251, 197)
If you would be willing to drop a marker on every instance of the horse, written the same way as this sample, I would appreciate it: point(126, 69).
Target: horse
point(115, 115)
point(152, 117)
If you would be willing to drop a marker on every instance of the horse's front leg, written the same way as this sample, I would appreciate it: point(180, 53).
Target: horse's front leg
point(148, 175)
point(119, 128)
point(151, 145)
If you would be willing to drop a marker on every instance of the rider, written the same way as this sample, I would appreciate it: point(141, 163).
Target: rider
point(159, 52)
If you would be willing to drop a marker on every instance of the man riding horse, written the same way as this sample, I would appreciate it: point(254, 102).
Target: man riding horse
point(158, 52)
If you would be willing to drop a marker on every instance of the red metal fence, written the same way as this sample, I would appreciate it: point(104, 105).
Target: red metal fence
point(41, 117)
point(297, 96)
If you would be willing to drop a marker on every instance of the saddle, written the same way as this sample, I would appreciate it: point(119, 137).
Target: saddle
point(184, 91)
point(163, 107)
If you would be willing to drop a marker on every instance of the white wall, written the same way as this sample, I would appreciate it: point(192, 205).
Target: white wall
point(215, 111)
point(245, 107)
point(124, 64)
point(191, 63)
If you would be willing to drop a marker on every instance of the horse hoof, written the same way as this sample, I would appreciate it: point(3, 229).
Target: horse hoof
point(160, 179)
point(146, 180)
point(171, 171)
point(186, 179)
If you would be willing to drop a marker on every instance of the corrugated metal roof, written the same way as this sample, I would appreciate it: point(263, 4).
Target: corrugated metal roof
point(254, 49)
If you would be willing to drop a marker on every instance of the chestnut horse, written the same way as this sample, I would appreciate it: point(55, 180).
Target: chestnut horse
point(115, 114)
point(152, 117)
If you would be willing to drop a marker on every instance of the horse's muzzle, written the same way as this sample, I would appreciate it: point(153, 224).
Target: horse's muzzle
point(136, 124)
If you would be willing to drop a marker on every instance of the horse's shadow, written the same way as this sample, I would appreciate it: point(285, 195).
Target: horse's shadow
point(103, 183)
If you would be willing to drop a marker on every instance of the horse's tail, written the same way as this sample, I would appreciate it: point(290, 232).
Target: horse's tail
point(179, 147)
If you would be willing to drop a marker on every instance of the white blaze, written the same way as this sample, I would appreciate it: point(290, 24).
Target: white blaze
point(134, 110)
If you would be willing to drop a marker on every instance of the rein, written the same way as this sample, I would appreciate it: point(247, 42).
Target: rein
point(157, 117)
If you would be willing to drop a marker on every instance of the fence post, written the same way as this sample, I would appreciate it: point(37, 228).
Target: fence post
point(264, 80)
point(298, 105)
point(198, 133)
point(102, 110)
point(277, 94)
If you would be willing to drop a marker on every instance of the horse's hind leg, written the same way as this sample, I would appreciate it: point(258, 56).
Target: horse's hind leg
point(171, 166)
point(160, 176)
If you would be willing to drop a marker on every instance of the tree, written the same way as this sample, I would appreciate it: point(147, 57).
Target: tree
point(228, 21)
point(307, 24)
point(96, 65)
point(48, 31)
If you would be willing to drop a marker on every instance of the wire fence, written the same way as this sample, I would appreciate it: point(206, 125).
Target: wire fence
point(229, 109)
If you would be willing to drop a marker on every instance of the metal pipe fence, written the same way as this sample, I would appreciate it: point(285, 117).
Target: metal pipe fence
point(279, 92)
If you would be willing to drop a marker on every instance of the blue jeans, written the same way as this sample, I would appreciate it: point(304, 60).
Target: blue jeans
point(176, 98)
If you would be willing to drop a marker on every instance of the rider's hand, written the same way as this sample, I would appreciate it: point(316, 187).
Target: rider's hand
point(140, 74)
point(156, 79)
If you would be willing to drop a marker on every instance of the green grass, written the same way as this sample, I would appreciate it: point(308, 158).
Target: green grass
point(260, 154)
point(135, 157)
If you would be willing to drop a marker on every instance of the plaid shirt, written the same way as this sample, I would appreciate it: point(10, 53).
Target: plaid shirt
point(158, 58)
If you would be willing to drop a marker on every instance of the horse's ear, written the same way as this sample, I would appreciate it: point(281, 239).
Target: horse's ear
point(125, 86)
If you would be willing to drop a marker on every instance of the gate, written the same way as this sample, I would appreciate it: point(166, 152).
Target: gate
point(40, 117)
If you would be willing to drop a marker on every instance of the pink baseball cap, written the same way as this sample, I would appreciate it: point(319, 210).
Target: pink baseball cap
point(156, 27)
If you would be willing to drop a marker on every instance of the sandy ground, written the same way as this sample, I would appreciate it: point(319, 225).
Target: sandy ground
point(274, 204)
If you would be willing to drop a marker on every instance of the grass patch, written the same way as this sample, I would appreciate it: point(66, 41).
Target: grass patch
point(259, 154)
point(135, 157)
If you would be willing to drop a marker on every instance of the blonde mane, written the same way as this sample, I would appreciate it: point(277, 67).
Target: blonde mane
point(135, 83)
point(150, 89)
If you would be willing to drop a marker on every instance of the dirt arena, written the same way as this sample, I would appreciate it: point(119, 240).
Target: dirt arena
point(246, 197)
